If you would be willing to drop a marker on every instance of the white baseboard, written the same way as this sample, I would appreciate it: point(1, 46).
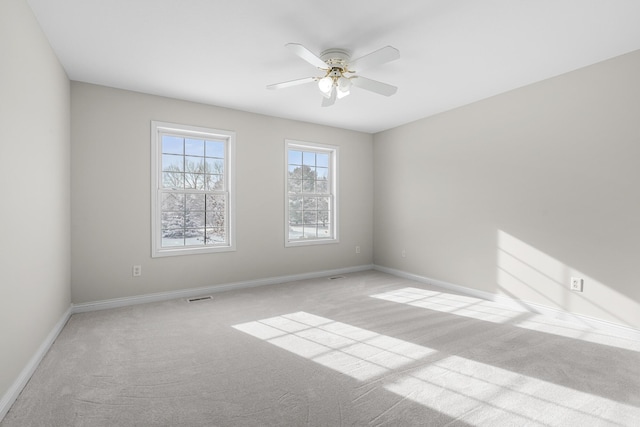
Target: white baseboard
point(517, 304)
point(188, 293)
point(16, 388)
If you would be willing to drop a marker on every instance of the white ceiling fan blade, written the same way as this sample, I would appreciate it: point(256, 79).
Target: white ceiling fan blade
point(328, 102)
point(380, 56)
point(292, 83)
point(307, 55)
point(373, 85)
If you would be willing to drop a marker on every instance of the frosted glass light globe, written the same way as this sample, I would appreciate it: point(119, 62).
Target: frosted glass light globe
point(325, 84)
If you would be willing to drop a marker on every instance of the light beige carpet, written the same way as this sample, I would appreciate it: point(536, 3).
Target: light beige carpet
point(368, 349)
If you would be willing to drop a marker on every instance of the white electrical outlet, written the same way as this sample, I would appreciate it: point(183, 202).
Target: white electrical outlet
point(404, 253)
point(357, 249)
point(576, 284)
point(137, 270)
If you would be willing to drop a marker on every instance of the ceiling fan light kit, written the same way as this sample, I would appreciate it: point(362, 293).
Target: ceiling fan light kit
point(340, 72)
point(325, 85)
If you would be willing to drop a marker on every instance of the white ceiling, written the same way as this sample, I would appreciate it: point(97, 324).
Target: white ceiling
point(224, 52)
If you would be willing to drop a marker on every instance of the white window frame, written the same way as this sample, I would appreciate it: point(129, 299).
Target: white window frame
point(162, 128)
point(333, 152)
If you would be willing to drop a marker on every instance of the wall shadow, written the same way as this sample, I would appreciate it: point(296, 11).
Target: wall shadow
point(526, 273)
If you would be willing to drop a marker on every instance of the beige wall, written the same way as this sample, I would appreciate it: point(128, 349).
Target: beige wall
point(111, 197)
point(517, 193)
point(34, 212)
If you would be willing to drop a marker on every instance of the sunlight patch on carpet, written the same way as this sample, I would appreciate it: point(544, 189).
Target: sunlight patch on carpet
point(464, 389)
point(356, 352)
point(479, 309)
point(483, 394)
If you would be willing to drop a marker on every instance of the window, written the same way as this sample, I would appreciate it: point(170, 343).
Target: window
point(311, 199)
point(193, 197)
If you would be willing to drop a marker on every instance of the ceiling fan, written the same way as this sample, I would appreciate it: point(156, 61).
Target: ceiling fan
point(339, 72)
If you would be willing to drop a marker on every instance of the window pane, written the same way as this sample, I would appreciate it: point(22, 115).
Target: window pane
point(194, 147)
point(323, 218)
point(172, 144)
point(172, 163)
point(215, 236)
point(295, 186)
point(322, 187)
point(215, 202)
point(295, 202)
point(310, 232)
point(310, 203)
point(322, 173)
point(194, 219)
point(216, 211)
point(214, 149)
point(309, 159)
point(168, 242)
point(214, 165)
point(322, 160)
point(172, 229)
point(324, 232)
point(172, 223)
point(173, 180)
point(194, 164)
point(323, 203)
point(309, 172)
point(296, 231)
point(172, 202)
point(295, 217)
point(195, 202)
point(215, 218)
point(214, 182)
point(194, 181)
point(194, 236)
point(295, 157)
point(310, 218)
point(308, 186)
point(295, 172)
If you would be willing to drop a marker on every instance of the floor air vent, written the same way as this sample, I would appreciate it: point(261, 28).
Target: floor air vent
point(336, 277)
point(196, 299)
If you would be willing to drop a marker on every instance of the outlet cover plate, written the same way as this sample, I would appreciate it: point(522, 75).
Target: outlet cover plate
point(576, 284)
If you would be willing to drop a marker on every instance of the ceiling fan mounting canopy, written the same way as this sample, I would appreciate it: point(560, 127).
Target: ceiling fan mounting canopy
point(336, 63)
point(336, 57)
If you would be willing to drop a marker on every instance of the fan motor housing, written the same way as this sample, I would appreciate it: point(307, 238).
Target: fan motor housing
point(336, 58)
